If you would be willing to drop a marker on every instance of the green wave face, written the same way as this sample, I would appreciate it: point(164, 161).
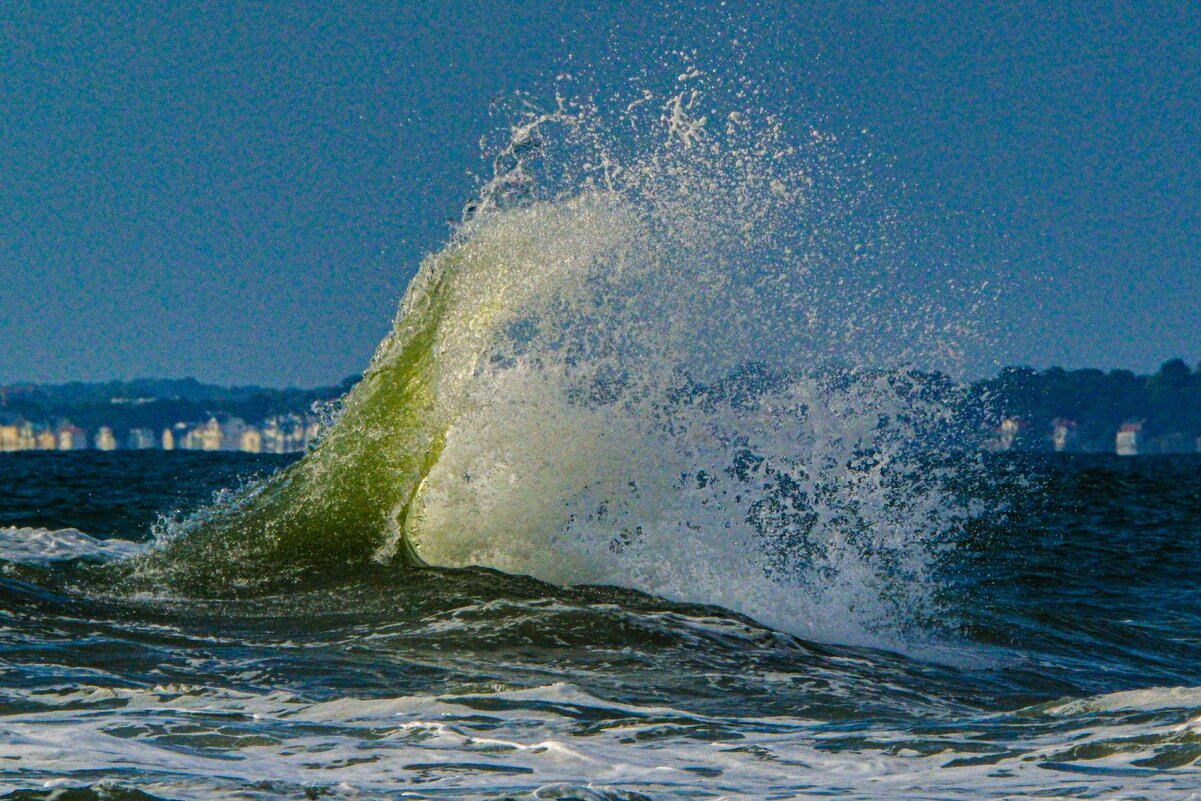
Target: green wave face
point(342, 503)
point(346, 504)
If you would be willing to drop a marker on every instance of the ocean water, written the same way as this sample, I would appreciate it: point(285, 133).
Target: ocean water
point(660, 486)
point(1073, 669)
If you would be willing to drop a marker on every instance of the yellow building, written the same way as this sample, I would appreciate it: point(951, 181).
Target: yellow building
point(17, 437)
point(9, 436)
point(251, 441)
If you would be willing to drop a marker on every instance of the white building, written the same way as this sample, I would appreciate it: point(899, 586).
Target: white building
point(105, 441)
point(1129, 439)
point(288, 433)
point(204, 437)
point(71, 438)
point(274, 440)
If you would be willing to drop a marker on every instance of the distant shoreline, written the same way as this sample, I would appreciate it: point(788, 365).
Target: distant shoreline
point(1022, 409)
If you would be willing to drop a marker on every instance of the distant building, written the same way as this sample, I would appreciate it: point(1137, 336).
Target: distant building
point(17, 437)
point(105, 441)
point(140, 439)
point(71, 438)
point(1008, 433)
point(281, 434)
point(1129, 439)
point(232, 431)
point(273, 438)
point(288, 433)
point(204, 437)
point(251, 441)
point(1064, 434)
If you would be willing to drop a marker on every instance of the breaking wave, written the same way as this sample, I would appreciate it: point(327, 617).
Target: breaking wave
point(672, 346)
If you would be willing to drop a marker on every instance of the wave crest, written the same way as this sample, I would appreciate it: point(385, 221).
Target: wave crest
point(672, 353)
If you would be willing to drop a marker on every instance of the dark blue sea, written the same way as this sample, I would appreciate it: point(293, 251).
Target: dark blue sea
point(1065, 663)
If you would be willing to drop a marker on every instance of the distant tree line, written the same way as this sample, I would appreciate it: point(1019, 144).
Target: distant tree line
point(156, 404)
point(1097, 403)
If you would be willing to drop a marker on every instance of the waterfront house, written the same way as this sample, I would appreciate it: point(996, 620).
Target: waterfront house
point(1129, 439)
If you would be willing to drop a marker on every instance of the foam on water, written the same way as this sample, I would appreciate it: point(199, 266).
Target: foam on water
point(555, 741)
point(40, 546)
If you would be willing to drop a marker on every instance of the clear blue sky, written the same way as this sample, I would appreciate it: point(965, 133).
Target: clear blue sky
point(240, 192)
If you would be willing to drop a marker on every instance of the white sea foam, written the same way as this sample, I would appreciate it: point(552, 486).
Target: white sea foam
point(1145, 700)
point(604, 420)
point(40, 546)
point(201, 742)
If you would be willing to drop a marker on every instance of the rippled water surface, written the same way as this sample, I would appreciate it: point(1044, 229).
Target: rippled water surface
point(1072, 667)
